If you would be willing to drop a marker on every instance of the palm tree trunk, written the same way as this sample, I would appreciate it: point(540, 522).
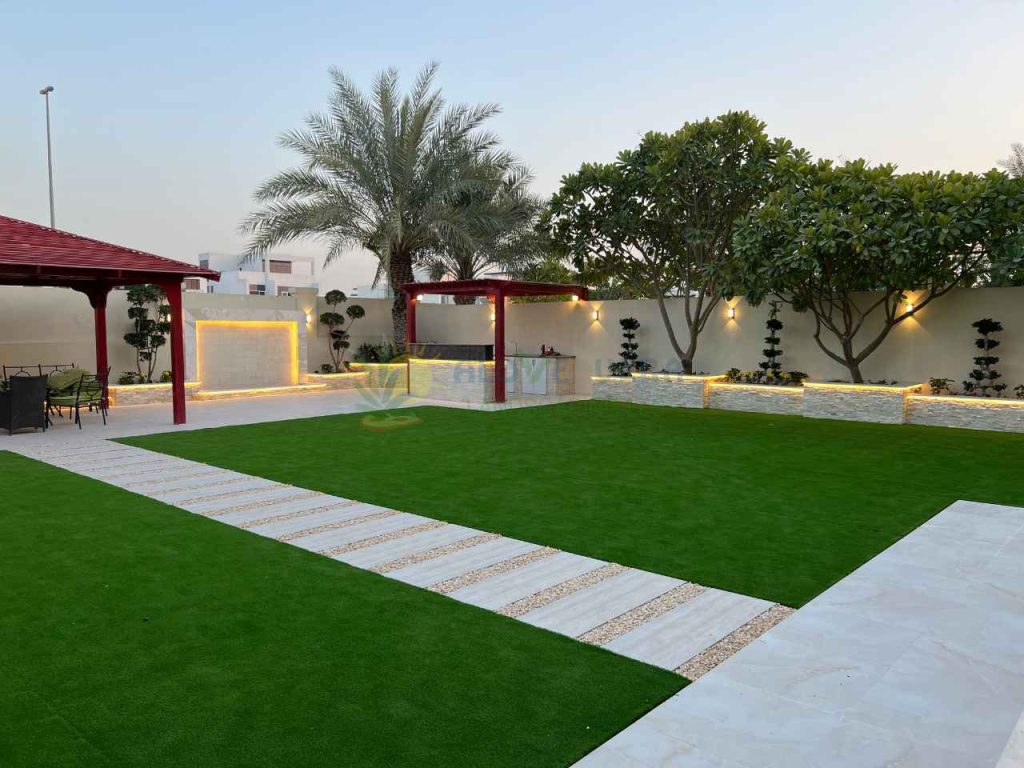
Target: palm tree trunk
point(399, 273)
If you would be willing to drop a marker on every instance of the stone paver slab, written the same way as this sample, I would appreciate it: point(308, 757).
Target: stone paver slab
point(462, 562)
point(341, 537)
point(669, 640)
point(386, 551)
point(293, 525)
point(591, 607)
point(506, 588)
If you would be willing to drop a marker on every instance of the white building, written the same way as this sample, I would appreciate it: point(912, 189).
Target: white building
point(275, 275)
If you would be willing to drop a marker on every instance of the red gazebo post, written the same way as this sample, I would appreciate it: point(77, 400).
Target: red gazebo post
point(499, 346)
point(98, 301)
point(172, 289)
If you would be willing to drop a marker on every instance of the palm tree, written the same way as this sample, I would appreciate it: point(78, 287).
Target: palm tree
point(501, 224)
point(1014, 164)
point(383, 171)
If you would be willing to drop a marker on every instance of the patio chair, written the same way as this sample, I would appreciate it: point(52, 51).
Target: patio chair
point(62, 384)
point(23, 405)
point(90, 393)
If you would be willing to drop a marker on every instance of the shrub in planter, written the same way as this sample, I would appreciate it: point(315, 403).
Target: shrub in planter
point(337, 331)
point(129, 377)
point(771, 366)
point(940, 386)
point(629, 353)
point(773, 378)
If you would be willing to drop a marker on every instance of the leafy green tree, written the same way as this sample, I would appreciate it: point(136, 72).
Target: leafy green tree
point(339, 326)
point(385, 172)
point(661, 217)
point(501, 222)
point(848, 242)
point(148, 333)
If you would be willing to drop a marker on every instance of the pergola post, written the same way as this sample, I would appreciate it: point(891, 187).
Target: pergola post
point(410, 320)
point(499, 347)
point(98, 301)
point(173, 291)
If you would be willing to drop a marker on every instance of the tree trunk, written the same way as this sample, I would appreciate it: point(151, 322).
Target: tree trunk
point(855, 375)
point(464, 300)
point(684, 359)
point(399, 273)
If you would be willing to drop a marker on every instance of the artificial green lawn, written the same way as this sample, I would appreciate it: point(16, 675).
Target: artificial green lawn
point(779, 507)
point(136, 634)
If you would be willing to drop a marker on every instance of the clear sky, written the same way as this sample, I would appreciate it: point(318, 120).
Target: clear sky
point(165, 117)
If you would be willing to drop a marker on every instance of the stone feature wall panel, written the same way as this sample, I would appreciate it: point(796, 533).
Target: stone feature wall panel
point(756, 398)
point(618, 388)
point(456, 381)
point(144, 394)
point(852, 402)
point(676, 390)
point(353, 380)
point(997, 415)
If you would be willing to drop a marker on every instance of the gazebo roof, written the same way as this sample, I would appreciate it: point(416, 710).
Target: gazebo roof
point(493, 287)
point(31, 254)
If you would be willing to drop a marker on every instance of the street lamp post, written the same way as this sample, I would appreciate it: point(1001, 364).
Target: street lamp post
point(45, 93)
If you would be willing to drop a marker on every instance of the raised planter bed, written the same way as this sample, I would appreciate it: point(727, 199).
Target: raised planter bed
point(618, 388)
point(144, 394)
point(385, 375)
point(757, 398)
point(673, 389)
point(347, 380)
point(878, 403)
point(995, 414)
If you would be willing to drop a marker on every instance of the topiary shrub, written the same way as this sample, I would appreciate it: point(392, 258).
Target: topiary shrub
point(629, 354)
point(982, 380)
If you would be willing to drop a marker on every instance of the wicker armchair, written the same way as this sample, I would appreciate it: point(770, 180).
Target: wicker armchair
point(23, 405)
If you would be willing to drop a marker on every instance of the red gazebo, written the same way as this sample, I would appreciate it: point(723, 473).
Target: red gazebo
point(498, 290)
point(33, 255)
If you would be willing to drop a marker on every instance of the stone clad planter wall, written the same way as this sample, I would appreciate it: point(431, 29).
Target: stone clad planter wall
point(618, 388)
point(758, 398)
point(857, 402)
point(144, 394)
point(463, 381)
point(351, 380)
point(996, 414)
point(676, 390)
point(385, 375)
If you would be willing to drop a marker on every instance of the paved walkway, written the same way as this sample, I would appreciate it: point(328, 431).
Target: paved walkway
point(676, 625)
point(915, 660)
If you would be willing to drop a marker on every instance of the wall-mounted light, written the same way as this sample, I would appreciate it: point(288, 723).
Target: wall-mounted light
point(595, 315)
point(910, 307)
point(494, 315)
point(732, 313)
point(309, 318)
point(575, 297)
point(420, 297)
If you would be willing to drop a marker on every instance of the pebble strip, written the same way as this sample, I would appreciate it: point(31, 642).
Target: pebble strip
point(436, 552)
point(294, 515)
point(231, 494)
point(183, 478)
point(334, 551)
point(549, 595)
point(444, 587)
point(630, 620)
point(258, 504)
point(715, 654)
point(336, 525)
point(191, 487)
point(162, 468)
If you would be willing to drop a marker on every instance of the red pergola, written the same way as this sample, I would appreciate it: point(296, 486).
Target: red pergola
point(498, 290)
point(33, 255)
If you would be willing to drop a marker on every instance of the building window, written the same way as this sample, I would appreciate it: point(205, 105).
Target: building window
point(257, 289)
point(280, 267)
point(191, 283)
point(209, 287)
point(284, 290)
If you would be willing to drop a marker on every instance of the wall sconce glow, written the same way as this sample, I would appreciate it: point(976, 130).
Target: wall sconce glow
point(575, 297)
point(732, 313)
point(309, 318)
point(494, 315)
point(420, 297)
point(595, 315)
point(910, 307)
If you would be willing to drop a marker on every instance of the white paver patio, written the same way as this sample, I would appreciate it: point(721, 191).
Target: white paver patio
point(914, 660)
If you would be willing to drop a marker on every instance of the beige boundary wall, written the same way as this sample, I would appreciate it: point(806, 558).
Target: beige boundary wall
point(54, 325)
